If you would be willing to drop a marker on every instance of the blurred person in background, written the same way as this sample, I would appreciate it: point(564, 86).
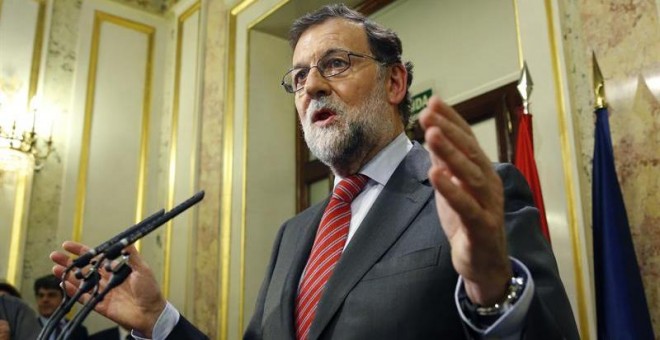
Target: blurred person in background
point(49, 295)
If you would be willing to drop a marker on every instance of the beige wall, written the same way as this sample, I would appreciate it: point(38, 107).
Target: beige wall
point(270, 192)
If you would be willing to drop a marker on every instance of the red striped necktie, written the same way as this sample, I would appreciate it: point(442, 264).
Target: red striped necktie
point(326, 251)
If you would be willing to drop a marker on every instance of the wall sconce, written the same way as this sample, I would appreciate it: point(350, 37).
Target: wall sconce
point(19, 134)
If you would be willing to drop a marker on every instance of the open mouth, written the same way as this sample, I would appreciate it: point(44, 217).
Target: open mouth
point(323, 116)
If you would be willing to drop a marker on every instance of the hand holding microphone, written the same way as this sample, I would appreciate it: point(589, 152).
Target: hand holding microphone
point(137, 303)
point(90, 279)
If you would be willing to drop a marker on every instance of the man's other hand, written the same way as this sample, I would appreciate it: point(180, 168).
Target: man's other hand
point(470, 203)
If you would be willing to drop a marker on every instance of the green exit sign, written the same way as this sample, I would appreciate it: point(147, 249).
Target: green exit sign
point(419, 101)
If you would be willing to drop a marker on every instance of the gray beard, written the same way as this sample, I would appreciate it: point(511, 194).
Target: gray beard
point(348, 139)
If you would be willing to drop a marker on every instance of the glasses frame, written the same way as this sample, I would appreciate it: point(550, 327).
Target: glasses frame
point(289, 87)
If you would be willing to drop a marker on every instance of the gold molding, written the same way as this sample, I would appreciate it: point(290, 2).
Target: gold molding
point(81, 185)
point(14, 245)
point(193, 163)
point(260, 18)
point(17, 224)
point(240, 7)
point(516, 15)
point(567, 163)
point(227, 164)
point(36, 51)
point(173, 143)
point(241, 259)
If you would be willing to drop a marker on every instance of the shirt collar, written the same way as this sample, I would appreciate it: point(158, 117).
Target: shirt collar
point(382, 166)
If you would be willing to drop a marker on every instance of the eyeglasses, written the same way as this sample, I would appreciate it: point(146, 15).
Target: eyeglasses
point(333, 63)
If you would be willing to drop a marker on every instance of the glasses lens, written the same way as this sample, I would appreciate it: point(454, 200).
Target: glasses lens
point(334, 63)
point(294, 80)
point(330, 65)
point(286, 82)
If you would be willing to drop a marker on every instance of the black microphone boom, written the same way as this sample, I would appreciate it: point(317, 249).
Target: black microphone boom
point(115, 250)
point(111, 249)
point(84, 259)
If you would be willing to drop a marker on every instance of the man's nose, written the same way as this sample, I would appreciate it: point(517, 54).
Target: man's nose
point(316, 85)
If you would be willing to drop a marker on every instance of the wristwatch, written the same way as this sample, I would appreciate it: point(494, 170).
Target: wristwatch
point(487, 315)
point(514, 290)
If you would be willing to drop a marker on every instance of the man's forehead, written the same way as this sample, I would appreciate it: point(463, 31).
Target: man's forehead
point(332, 34)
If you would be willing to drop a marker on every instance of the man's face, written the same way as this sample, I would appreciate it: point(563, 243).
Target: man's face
point(347, 116)
point(48, 300)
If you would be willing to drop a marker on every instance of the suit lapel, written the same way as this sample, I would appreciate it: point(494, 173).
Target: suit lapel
point(301, 246)
point(407, 190)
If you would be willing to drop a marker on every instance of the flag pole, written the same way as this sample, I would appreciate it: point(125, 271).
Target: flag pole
point(524, 154)
point(599, 84)
point(525, 87)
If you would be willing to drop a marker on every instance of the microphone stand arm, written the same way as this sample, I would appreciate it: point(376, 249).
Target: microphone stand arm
point(119, 274)
point(89, 281)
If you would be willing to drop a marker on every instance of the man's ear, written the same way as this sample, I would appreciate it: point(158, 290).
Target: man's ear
point(396, 85)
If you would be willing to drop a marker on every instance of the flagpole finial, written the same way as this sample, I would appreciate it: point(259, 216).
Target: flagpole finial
point(525, 86)
point(599, 84)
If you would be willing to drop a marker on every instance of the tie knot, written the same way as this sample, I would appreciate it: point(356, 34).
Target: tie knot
point(350, 187)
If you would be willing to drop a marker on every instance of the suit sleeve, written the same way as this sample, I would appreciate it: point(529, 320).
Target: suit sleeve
point(254, 330)
point(550, 315)
point(184, 330)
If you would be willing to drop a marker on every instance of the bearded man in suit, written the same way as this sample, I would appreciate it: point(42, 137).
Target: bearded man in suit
point(412, 244)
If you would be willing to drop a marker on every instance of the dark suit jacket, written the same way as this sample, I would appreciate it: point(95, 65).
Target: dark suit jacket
point(79, 333)
point(107, 334)
point(395, 279)
point(184, 330)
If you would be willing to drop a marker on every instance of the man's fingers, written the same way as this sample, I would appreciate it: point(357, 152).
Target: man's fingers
point(461, 164)
point(462, 203)
point(75, 247)
point(60, 258)
point(134, 259)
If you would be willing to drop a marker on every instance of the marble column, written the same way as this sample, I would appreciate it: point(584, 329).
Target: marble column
point(206, 301)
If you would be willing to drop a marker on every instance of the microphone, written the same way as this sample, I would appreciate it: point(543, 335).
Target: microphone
point(92, 279)
point(123, 270)
point(115, 250)
point(84, 259)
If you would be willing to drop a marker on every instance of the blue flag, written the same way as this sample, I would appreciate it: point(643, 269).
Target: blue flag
point(621, 307)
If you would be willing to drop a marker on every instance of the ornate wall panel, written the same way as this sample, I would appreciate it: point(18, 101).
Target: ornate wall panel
point(112, 174)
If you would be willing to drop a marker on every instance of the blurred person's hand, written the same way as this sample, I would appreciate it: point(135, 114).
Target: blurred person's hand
point(4, 330)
